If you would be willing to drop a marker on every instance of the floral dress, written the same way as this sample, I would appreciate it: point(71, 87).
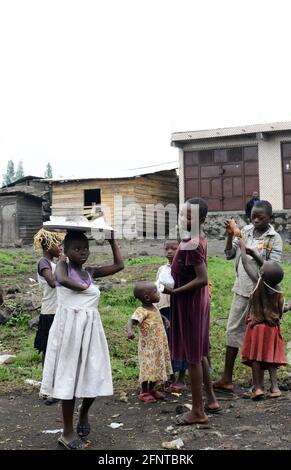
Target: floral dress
point(153, 350)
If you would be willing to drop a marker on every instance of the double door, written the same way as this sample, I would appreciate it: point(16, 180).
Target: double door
point(225, 178)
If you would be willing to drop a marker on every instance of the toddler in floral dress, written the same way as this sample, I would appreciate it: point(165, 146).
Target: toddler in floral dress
point(153, 350)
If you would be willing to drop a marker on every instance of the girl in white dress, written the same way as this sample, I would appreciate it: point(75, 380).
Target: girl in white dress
point(77, 361)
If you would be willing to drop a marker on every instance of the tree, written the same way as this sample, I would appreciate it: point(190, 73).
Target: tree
point(19, 171)
point(48, 172)
point(9, 176)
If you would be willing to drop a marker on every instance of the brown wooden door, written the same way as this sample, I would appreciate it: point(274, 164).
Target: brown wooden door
point(286, 163)
point(8, 223)
point(225, 178)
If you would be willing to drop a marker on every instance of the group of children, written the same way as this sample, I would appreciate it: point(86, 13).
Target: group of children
point(173, 319)
point(184, 301)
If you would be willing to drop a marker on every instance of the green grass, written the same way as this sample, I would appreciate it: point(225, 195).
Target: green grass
point(116, 307)
point(15, 262)
point(144, 261)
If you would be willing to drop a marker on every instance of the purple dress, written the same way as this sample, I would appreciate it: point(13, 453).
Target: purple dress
point(190, 311)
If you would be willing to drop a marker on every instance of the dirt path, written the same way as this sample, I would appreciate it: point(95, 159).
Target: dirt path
point(242, 424)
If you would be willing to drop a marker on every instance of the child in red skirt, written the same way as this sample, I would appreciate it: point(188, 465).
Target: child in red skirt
point(263, 344)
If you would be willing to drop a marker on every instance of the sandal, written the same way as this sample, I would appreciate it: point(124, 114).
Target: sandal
point(83, 430)
point(212, 410)
point(157, 395)
point(146, 398)
point(220, 388)
point(258, 395)
point(276, 394)
point(183, 421)
point(75, 444)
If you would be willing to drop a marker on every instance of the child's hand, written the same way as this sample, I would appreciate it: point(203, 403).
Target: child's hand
point(167, 323)
point(227, 224)
point(130, 335)
point(62, 257)
point(287, 306)
point(232, 228)
point(168, 290)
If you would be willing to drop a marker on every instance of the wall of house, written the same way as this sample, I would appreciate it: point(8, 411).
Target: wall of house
point(269, 157)
point(117, 196)
point(270, 170)
point(68, 197)
point(29, 218)
point(157, 188)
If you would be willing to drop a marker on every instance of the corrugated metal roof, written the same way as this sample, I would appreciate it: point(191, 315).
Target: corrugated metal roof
point(134, 172)
point(24, 178)
point(22, 193)
point(230, 131)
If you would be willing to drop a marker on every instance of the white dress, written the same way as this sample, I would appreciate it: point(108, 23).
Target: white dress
point(77, 362)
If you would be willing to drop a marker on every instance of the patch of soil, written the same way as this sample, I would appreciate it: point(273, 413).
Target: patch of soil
point(242, 424)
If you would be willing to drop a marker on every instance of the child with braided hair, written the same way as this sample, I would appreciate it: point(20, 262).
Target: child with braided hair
point(50, 244)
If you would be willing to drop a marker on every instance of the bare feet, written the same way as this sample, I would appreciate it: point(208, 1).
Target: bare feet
point(189, 418)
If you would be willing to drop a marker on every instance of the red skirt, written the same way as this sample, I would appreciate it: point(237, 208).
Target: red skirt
point(263, 343)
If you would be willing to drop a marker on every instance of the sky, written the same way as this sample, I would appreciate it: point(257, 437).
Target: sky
point(96, 87)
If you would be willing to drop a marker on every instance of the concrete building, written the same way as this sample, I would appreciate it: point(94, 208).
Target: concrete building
point(224, 166)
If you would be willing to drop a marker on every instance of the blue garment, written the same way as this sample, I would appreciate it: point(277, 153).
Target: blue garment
point(176, 365)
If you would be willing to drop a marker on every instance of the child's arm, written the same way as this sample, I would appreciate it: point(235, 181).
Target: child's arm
point(200, 280)
point(259, 260)
point(63, 278)
point(131, 323)
point(231, 242)
point(166, 322)
point(247, 264)
point(101, 271)
point(49, 277)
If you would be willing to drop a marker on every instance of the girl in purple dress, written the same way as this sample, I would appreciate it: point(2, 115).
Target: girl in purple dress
point(190, 311)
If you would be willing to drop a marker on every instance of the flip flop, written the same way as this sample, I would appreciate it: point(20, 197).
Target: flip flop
point(83, 430)
point(221, 388)
point(183, 421)
point(146, 398)
point(212, 410)
point(275, 394)
point(258, 396)
point(75, 444)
